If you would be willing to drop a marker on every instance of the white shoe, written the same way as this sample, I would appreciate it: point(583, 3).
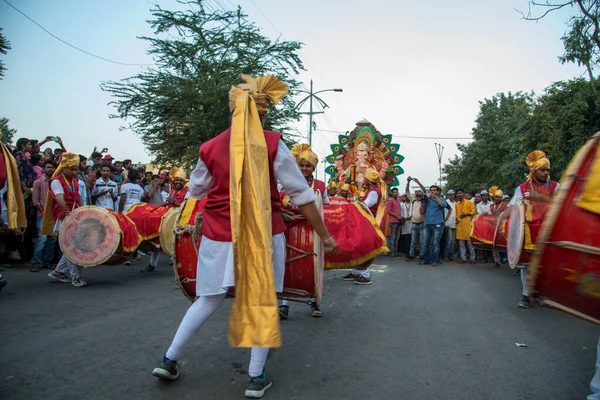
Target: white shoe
point(58, 276)
point(78, 282)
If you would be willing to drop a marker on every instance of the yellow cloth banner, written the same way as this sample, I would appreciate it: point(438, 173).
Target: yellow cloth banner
point(15, 205)
point(254, 318)
point(590, 198)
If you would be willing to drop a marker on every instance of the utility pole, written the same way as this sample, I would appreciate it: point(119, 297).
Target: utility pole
point(310, 113)
point(439, 150)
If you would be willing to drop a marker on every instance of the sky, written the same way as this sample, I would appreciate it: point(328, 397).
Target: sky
point(416, 70)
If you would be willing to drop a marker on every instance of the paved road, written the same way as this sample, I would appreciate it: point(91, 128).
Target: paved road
point(416, 333)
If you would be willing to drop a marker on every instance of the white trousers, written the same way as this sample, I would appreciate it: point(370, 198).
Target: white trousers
point(65, 265)
point(194, 318)
point(595, 384)
point(525, 291)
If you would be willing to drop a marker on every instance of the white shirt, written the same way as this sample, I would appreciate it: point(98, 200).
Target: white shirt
point(215, 271)
point(105, 201)
point(451, 222)
point(484, 207)
point(372, 199)
point(133, 194)
point(82, 191)
point(164, 195)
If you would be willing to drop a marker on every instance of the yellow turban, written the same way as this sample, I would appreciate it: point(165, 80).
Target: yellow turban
point(304, 152)
point(177, 173)
point(494, 191)
point(372, 175)
point(261, 89)
point(343, 186)
point(535, 160)
point(332, 184)
point(68, 160)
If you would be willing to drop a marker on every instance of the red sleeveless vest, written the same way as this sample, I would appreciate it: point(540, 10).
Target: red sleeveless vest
point(320, 186)
point(71, 197)
point(543, 188)
point(216, 224)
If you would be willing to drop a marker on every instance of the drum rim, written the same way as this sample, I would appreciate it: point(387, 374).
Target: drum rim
point(319, 255)
point(165, 233)
point(518, 211)
point(113, 247)
point(177, 236)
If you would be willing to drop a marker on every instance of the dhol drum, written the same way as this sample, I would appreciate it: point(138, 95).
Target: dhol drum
point(515, 236)
point(356, 233)
point(565, 269)
point(155, 224)
point(483, 232)
point(91, 236)
point(303, 280)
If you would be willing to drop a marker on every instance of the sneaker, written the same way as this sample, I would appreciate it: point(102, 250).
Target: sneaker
point(284, 312)
point(497, 265)
point(78, 282)
point(149, 268)
point(316, 311)
point(141, 253)
point(257, 386)
point(435, 264)
point(58, 276)
point(127, 262)
point(138, 258)
point(525, 302)
point(14, 255)
point(350, 277)
point(35, 268)
point(361, 280)
point(167, 370)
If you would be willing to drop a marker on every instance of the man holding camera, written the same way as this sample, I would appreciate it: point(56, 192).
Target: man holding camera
point(434, 225)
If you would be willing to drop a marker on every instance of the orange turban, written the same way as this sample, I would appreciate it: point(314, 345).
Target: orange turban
point(304, 152)
point(535, 160)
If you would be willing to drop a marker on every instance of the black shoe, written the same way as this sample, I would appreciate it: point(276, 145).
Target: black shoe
point(316, 311)
point(350, 277)
point(361, 280)
point(410, 258)
point(284, 312)
point(525, 302)
point(167, 370)
point(497, 265)
point(257, 386)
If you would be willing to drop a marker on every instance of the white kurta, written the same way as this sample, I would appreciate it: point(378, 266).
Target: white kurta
point(406, 211)
point(216, 272)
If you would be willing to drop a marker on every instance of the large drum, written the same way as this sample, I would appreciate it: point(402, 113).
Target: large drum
point(303, 278)
point(565, 270)
point(483, 232)
point(155, 224)
point(93, 235)
point(356, 233)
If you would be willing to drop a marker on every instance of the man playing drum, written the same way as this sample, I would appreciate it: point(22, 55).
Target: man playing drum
point(243, 242)
point(63, 197)
point(538, 188)
point(307, 162)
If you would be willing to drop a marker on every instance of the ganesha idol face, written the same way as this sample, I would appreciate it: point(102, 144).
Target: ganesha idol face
point(363, 157)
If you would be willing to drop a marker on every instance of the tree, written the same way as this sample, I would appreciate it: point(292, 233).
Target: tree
point(7, 133)
point(4, 47)
point(182, 101)
point(582, 39)
point(509, 126)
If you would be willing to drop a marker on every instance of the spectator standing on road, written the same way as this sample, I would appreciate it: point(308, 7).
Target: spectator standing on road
point(418, 219)
point(105, 191)
point(43, 252)
point(450, 226)
point(434, 225)
point(405, 234)
point(465, 210)
point(393, 208)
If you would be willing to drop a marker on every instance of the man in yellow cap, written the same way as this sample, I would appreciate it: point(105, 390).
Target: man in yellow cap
point(63, 197)
point(179, 192)
point(372, 200)
point(243, 242)
point(496, 209)
point(537, 190)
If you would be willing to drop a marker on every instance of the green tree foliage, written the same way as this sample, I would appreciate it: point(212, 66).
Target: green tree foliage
point(183, 100)
point(509, 126)
point(7, 132)
point(4, 47)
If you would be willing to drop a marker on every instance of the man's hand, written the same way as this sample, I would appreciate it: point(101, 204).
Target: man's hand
point(329, 246)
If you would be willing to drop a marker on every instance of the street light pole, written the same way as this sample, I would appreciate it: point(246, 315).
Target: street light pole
point(310, 113)
point(439, 149)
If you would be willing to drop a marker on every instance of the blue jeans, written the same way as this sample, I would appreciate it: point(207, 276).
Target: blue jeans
point(43, 253)
point(417, 230)
point(431, 242)
point(450, 240)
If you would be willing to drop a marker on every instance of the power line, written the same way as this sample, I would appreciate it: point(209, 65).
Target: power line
point(409, 137)
point(69, 44)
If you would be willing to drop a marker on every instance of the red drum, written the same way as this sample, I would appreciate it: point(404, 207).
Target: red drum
point(565, 269)
point(303, 278)
point(483, 231)
point(155, 224)
point(93, 235)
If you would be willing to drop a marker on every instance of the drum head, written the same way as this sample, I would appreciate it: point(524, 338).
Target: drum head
point(515, 234)
point(89, 236)
point(167, 235)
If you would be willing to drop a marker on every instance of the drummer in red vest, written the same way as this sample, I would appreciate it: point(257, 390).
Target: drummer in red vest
point(497, 208)
point(372, 199)
point(243, 242)
point(307, 161)
point(63, 197)
point(179, 192)
point(537, 188)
